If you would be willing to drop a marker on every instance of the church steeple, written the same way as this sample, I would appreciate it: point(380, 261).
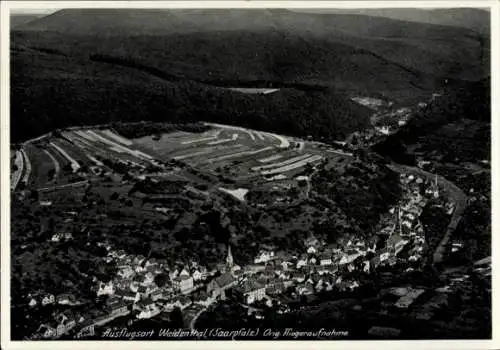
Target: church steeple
point(436, 187)
point(229, 258)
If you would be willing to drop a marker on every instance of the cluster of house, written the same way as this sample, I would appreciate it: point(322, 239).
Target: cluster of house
point(136, 286)
point(407, 228)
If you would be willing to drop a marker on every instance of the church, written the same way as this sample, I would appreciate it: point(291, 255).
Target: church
point(226, 280)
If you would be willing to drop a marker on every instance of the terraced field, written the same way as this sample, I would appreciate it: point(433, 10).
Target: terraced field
point(246, 157)
point(243, 154)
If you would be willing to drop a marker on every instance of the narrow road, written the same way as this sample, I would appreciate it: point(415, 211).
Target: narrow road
point(27, 163)
point(16, 176)
point(57, 166)
point(193, 321)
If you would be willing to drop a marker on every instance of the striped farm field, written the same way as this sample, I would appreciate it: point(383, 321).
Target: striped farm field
point(57, 166)
point(74, 164)
point(116, 137)
point(239, 154)
point(76, 152)
point(271, 158)
point(40, 164)
point(281, 163)
point(293, 166)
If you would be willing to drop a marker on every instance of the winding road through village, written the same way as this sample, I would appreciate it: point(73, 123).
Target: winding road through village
point(455, 193)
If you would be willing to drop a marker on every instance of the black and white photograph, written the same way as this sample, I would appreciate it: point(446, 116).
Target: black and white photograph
point(247, 172)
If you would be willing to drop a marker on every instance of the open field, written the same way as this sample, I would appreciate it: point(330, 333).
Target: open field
point(221, 156)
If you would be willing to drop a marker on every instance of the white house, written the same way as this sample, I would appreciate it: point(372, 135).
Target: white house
point(48, 299)
point(286, 265)
point(366, 266)
point(384, 256)
point(47, 331)
point(174, 274)
point(197, 275)
point(311, 250)
point(298, 276)
point(129, 296)
point(139, 269)
point(264, 256)
point(183, 284)
point(106, 288)
point(349, 257)
point(148, 310)
point(325, 259)
point(301, 262)
point(253, 291)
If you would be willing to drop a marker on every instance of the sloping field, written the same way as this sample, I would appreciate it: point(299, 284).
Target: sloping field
point(116, 137)
point(74, 164)
point(57, 166)
point(293, 166)
point(249, 133)
point(74, 151)
point(37, 166)
point(282, 163)
point(205, 154)
point(17, 174)
point(271, 158)
point(117, 146)
point(239, 154)
point(95, 142)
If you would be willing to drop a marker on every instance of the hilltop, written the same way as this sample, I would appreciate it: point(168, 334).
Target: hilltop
point(441, 50)
point(83, 92)
point(74, 56)
point(17, 20)
point(472, 18)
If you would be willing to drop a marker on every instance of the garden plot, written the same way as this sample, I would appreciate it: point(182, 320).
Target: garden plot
point(57, 166)
point(249, 132)
point(234, 137)
point(260, 135)
point(271, 158)
point(203, 137)
point(91, 148)
point(88, 148)
point(293, 166)
point(119, 147)
point(284, 142)
point(166, 147)
point(282, 163)
point(239, 154)
point(116, 137)
point(222, 152)
point(196, 151)
point(74, 164)
point(76, 152)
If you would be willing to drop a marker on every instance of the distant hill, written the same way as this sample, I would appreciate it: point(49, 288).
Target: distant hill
point(454, 127)
point(342, 55)
point(51, 90)
point(248, 41)
point(17, 20)
point(472, 18)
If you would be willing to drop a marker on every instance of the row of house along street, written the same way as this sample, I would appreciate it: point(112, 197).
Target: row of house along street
point(137, 292)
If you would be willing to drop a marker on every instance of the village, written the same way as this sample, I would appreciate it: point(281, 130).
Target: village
point(144, 288)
